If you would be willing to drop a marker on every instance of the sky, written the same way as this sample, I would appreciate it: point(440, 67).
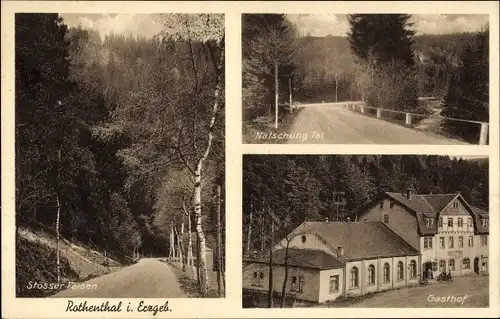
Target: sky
point(337, 25)
point(144, 25)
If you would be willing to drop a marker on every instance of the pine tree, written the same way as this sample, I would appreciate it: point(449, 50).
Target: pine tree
point(468, 92)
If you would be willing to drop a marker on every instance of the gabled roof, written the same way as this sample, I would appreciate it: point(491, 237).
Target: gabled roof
point(307, 258)
point(478, 214)
point(432, 203)
point(362, 240)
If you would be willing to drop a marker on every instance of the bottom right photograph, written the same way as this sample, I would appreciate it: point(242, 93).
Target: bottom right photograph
point(358, 231)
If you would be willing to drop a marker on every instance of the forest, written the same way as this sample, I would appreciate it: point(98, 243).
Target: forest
point(295, 188)
point(120, 140)
point(391, 71)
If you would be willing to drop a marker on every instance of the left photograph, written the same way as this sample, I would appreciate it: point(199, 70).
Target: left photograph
point(120, 155)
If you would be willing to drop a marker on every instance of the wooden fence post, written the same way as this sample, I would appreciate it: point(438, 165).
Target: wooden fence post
point(362, 109)
point(408, 119)
point(379, 113)
point(483, 137)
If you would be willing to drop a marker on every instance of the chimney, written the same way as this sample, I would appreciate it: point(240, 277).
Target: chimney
point(409, 192)
point(340, 251)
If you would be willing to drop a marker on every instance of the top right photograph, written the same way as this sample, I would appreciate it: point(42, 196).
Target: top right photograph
point(365, 79)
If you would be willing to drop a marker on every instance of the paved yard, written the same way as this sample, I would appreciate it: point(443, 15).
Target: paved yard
point(466, 292)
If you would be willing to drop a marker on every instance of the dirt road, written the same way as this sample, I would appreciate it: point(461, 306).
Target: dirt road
point(332, 123)
point(149, 278)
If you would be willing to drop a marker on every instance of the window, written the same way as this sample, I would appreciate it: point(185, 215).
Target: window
point(484, 240)
point(469, 222)
point(441, 242)
point(466, 263)
point(460, 222)
point(387, 272)
point(293, 283)
point(391, 205)
point(371, 275)
point(381, 205)
point(427, 242)
point(450, 222)
point(354, 277)
point(451, 264)
point(401, 271)
point(442, 265)
point(455, 204)
point(434, 266)
point(429, 222)
point(413, 269)
point(301, 283)
point(460, 241)
point(440, 221)
point(334, 284)
point(258, 278)
point(471, 241)
point(484, 222)
point(303, 238)
point(450, 242)
point(386, 218)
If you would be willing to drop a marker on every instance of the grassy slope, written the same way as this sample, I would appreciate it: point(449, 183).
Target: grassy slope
point(36, 262)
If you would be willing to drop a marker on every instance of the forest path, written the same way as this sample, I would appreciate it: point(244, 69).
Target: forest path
point(149, 278)
point(334, 124)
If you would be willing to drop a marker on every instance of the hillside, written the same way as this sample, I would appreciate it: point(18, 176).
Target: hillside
point(321, 59)
point(36, 262)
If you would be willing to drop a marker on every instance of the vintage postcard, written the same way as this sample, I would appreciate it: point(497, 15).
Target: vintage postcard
point(146, 169)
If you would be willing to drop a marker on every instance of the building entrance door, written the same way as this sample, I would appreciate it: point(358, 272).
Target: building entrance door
point(476, 265)
point(427, 269)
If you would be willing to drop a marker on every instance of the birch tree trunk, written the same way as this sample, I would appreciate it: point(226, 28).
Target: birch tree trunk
point(276, 93)
point(285, 280)
point(202, 262)
point(181, 248)
point(249, 238)
point(58, 261)
point(58, 219)
point(190, 240)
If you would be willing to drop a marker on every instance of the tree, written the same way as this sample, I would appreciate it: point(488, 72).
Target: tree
point(383, 37)
point(382, 45)
point(174, 118)
point(268, 60)
point(468, 92)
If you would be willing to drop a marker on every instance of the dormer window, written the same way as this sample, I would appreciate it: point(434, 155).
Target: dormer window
point(484, 222)
point(429, 222)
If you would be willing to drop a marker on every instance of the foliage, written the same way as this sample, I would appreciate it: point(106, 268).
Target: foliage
point(121, 110)
point(267, 40)
point(297, 188)
point(468, 92)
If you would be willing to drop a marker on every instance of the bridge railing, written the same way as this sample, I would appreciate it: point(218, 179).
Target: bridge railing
point(410, 116)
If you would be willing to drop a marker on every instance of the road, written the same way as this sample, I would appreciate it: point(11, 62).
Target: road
point(337, 125)
point(476, 288)
point(149, 278)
